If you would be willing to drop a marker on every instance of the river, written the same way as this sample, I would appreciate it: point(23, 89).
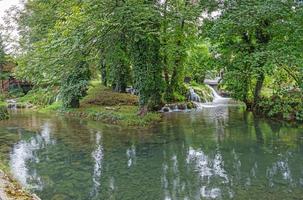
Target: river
point(214, 153)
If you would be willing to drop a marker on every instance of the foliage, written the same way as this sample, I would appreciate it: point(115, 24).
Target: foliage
point(287, 105)
point(2, 97)
point(133, 42)
point(54, 107)
point(74, 86)
point(198, 62)
point(253, 39)
point(153, 45)
point(3, 111)
point(39, 97)
point(15, 91)
point(122, 115)
point(103, 104)
point(102, 96)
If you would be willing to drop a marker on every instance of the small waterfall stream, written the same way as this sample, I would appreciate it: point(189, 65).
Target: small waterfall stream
point(193, 96)
point(12, 104)
point(199, 102)
point(201, 99)
point(217, 97)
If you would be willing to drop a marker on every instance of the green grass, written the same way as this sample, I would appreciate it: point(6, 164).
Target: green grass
point(120, 115)
point(102, 104)
point(56, 106)
point(103, 96)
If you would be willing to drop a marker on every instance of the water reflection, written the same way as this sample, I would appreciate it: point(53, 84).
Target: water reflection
point(131, 156)
point(97, 156)
point(209, 169)
point(24, 152)
point(217, 153)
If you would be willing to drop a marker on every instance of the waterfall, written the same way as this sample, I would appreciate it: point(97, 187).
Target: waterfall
point(193, 96)
point(199, 102)
point(217, 97)
point(12, 104)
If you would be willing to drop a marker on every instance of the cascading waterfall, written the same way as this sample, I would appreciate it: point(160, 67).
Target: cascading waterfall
point(217, 97)
point(193, 96)
point(12, 104)
point(198, 102)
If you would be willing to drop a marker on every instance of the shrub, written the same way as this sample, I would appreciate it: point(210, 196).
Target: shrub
point(287, 105)
point(40, 96)
point(99, 95)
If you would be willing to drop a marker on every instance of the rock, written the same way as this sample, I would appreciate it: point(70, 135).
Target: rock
point(182, 106)
point(9, 190)
point(20, 106)
point(190, 105)
point(165, 109)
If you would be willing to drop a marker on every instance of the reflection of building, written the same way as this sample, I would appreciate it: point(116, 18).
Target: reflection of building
point(8, 81)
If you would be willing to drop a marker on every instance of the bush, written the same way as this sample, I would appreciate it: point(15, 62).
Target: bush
point(101, 96)
point(287, 105)
point(40, 97)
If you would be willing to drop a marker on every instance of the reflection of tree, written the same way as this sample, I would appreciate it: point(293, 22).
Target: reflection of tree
point(182, 158)
point(97, 155)
point(258, 131)
point(53, 168)
point(25, 151)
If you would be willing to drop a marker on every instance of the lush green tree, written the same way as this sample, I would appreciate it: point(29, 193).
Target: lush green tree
point(198, 61)
point(60, 57)
point(2, 54)
point(249, 34)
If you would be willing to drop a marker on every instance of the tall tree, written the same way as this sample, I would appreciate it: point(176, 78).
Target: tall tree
point(247, 33)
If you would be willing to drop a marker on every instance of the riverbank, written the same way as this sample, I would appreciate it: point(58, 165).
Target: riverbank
point(101, 104)
point(11, 190)
point(285, 106)
point(104, 105)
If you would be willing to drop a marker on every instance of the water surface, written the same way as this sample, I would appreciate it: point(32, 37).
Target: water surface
point(216, 153)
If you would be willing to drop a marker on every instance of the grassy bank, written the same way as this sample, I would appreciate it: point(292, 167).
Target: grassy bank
point(104, 105)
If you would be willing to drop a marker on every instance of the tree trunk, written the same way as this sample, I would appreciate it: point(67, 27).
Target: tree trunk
point(75, 103)
point(258, 88)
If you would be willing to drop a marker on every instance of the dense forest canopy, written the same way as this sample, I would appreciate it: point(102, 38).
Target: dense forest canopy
point(153, 45)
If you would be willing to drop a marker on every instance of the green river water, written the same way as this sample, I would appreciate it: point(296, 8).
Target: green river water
point(216, 153)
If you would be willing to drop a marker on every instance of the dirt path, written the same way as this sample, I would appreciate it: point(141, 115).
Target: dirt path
point(9, 190)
